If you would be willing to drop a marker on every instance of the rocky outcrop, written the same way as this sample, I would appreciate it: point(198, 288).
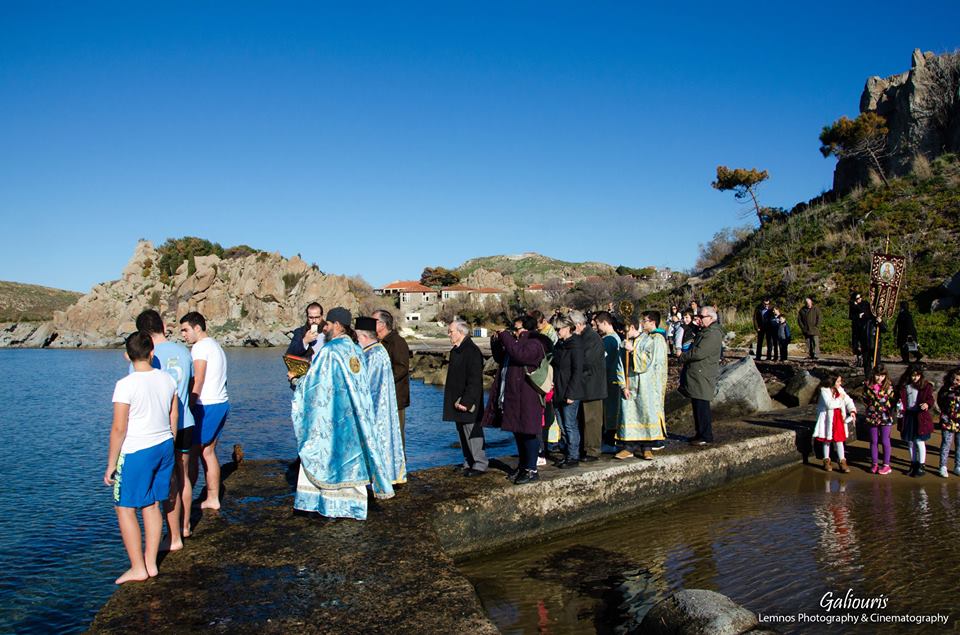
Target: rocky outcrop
point(948, 294)
point(486, 279)
point(249, 301)
point(922, 110)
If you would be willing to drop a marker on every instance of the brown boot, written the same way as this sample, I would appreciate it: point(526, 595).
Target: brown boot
point(843, 466)
point(827, 466)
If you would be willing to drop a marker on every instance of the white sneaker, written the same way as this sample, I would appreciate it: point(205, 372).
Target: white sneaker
point(541, 461)
point(943, 471)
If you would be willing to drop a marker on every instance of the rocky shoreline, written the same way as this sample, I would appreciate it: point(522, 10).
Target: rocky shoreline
point(258, 566)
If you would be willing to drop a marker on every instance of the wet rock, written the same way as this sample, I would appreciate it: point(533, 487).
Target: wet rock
point(695, 611)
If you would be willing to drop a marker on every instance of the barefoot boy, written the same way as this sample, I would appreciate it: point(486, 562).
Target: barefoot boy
point(174, 359)
point(208, 400)
point(140, 459)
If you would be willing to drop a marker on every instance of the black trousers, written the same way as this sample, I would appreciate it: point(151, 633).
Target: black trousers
point(770, 340)
point(702, 419)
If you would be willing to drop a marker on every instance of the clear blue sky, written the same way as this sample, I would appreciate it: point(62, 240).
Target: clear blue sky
point(377, 138)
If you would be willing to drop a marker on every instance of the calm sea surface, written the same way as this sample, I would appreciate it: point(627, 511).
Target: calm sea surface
point(60, 549)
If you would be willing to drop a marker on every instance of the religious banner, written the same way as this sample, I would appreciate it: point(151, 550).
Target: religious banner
point(886, 276)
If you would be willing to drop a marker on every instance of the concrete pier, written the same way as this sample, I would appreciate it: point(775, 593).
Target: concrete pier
point(258, 566)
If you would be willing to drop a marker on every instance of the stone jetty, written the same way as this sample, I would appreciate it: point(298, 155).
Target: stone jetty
point(256, 566)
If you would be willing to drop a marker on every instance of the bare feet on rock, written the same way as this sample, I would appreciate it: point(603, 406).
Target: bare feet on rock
point(210, 504)
point(170, 545)
point(133, 575)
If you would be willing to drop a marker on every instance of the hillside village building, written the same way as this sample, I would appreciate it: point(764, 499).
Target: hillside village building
point(419, 303)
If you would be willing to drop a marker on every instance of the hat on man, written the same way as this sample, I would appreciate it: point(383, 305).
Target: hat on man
point(366, 324)
point(340, 315)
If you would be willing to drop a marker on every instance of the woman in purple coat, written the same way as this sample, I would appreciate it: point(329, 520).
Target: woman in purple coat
point(514, 404)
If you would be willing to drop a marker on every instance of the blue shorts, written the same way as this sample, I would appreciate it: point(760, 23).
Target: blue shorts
point(208, 421)
point(143, 477)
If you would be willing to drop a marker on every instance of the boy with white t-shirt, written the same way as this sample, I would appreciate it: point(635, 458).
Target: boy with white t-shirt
point(208, 400)
point(140, 459)
point(174, 359)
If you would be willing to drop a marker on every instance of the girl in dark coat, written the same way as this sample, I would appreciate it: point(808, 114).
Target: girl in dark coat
point(915, 419)
point(514, 404)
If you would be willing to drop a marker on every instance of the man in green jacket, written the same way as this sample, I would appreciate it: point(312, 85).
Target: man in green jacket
point(809, 320)
point(698, 379)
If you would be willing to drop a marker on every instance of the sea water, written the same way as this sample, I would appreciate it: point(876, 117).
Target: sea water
point(60, 548)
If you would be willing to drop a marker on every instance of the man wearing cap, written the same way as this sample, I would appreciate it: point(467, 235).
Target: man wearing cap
point(384, 395)
point(333, 419)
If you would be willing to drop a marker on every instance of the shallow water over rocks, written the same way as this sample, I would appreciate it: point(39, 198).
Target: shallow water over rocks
point(776, 544)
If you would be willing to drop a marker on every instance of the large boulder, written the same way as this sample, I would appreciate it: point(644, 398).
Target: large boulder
point(696, 612)
point(740, 391)
point(800, 390)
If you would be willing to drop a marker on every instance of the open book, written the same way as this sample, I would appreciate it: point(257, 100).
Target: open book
point(297, 365)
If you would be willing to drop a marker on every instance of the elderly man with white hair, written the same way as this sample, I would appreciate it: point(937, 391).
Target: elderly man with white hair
point(701, 368)
point(463, 397)
point(594, 386)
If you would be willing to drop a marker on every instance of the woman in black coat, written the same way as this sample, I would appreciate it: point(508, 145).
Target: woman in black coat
point(568, 389)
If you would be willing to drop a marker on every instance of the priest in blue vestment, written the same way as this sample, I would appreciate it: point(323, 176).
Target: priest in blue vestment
point(384, 394)
point(333, 419)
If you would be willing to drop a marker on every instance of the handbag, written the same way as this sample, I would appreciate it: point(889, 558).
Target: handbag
point(541, 378)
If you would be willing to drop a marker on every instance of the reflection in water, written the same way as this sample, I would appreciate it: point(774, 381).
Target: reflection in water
point(775, 544)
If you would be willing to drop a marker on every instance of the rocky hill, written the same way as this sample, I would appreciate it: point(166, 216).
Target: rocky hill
point(824, 250)
point(32, 303)
point(922, 112)
point(510, 272)
point(251, 300)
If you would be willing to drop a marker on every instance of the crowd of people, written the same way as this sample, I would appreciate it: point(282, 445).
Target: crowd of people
point(910, 404)
point(564, 387)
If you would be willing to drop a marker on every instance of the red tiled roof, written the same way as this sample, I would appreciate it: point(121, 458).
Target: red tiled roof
point(459, 287)
point(488, 290)
point(535, 287)
point(408, 286)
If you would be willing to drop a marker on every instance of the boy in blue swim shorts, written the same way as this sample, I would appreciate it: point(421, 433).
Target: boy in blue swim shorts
point(208, 400)
point(140, 459)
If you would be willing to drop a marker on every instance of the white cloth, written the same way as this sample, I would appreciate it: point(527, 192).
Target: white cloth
point(215, 379)
point(825, 407)
point(149, 395)
point(912, 394)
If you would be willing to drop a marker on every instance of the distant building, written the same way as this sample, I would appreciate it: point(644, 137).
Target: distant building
point(417, 302)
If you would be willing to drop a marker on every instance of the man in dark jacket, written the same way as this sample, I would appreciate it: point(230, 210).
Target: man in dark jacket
point(594, 386)
point(904, 331)
point(761, 324)
point(400, 361)
point(463, 397)
point(308, 339)
point(809, 320)
point(701, 369)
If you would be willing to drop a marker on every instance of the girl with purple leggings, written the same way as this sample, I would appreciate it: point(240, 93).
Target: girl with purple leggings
point(878, 395)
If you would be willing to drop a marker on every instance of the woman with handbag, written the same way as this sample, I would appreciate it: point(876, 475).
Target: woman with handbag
point(514, 401)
